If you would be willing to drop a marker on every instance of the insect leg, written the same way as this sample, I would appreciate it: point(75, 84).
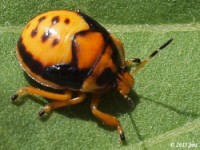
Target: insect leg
point(106, 118)
point(60, 100)
point(39, 92)
point(58, 104)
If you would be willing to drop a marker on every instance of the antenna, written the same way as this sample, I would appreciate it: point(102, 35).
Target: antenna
point(146, 61)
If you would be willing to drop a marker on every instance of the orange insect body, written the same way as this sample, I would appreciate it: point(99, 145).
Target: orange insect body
point(70, 51)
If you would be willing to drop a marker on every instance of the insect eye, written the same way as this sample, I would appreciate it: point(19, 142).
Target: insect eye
point(123, 68)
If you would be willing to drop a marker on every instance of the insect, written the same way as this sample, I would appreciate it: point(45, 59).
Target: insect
point(70, 51)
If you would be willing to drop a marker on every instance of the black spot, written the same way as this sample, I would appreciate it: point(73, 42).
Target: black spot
point(55, 42)
point(42, 18)
point(34, 65)
point(45, 36)
point(67, 21)
point(55, 19)
point(106, 77)
point(34, 32)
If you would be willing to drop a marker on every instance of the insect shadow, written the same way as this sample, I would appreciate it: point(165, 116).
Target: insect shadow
point(171, 108)
point(112, 103)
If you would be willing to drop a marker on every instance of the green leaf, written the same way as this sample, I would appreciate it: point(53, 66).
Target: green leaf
point(167, 113)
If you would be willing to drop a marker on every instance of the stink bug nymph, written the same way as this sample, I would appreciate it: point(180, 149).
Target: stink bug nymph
point(70, 51)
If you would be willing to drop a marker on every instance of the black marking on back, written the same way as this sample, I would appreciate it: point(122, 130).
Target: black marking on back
point(94, 25)
point(115, 55)
point(34, 65)
point(66, 75)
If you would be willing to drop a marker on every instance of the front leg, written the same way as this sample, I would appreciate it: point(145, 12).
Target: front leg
point(106, 118)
